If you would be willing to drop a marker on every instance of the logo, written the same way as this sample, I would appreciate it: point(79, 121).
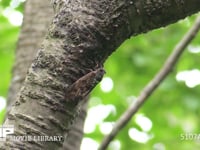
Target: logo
point(6, 130)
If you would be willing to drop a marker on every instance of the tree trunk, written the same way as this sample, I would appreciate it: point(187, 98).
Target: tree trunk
point(69, 63)
point(31, 35)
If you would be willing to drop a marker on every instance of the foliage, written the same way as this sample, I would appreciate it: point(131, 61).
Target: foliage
point(173, 109)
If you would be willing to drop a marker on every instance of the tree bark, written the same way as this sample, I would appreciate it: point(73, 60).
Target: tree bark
point(69, 63)
point(32, 33)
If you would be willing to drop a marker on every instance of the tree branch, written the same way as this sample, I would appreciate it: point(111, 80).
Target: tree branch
point(153, 84)
point(81, 37)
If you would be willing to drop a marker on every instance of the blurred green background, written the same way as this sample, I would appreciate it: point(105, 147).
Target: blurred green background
point(169, 120)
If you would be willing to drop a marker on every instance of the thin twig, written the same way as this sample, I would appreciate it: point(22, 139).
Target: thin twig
point(153, 84)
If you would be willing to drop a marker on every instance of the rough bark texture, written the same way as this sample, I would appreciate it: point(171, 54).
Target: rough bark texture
point(32, 33)
point(81, 37)
point(75, 134)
